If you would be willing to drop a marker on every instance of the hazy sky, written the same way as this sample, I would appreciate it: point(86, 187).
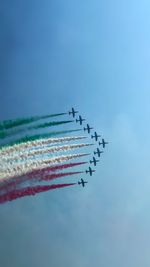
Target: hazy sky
point(95, 56)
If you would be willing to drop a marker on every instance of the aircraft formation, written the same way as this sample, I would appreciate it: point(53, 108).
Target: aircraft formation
point(94, 136)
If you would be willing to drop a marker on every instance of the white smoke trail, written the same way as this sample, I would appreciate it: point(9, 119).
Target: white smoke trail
point(31, 165)
point(25, 154)
point(38, 143)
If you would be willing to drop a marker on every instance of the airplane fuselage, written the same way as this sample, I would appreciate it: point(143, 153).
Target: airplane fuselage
point(88, 129)
point(94, 161)
point(82, 182)
point(95, 136)
point(80, 120)
point(90, 171)
point(103, 143)
point(98, 152)
point(73, 112)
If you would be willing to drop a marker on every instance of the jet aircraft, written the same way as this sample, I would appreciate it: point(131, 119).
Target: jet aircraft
point(80, 120)
point(94, 161)
point(90, 171)
point(98, 152)
point(95, 136)
point(88, 128)
point(103, 143)
point(73, 112)
point(82, 182)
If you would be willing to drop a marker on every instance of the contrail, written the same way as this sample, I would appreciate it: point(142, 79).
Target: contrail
point(8, 124)
point(28, 191)
point(25, 154)
point(37, 143)
point(38, 136)
point(18, 170)
point(5, 133)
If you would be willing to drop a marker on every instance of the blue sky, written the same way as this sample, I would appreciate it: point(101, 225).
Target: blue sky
point(93, 55)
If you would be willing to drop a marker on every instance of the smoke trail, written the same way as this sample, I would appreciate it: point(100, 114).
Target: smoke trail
point(8, 124)
point(38, 136)
point(37, 143)
point(7, 183)
point(13, 183)
point(57, 175)
point(18, 170)
point(5, 133)
point(55, 168)
point(28, 191)
point(25, 154)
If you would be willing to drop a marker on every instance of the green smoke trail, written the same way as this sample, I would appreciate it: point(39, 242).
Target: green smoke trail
point(38, 136)
point(5, 133)
point(8, 124)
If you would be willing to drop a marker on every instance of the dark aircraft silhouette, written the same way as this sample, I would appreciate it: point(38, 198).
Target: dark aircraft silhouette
point(90, 171)
point(88, 128)
point(95, 136)
point(103, 143)
point(80, 120)
point(94, 161)
point(73, 112)
point(98, 152)
point(82, 182)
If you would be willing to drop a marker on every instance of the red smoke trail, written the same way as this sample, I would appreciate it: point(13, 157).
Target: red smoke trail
point(14, 181)
point(44, 177)
point(53, 169)
point(57, 175)
point(28, 191)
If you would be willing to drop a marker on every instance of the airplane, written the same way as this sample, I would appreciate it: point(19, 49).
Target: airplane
point(80, 120)
point(95, 136)
point(82, 182)
point(94, 161)
point(90, 171)
point(98, 152)
point(73, 112)
point(103, 143)
point(88, 128)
